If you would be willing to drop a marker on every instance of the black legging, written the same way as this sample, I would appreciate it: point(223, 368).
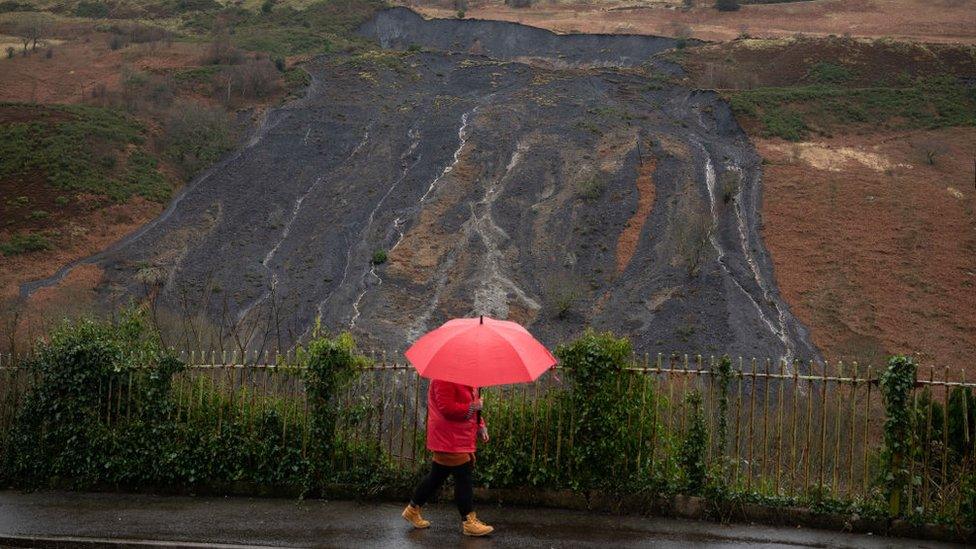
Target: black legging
point(463, 491)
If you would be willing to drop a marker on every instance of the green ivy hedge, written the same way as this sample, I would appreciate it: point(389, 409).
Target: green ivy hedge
point(111, 406)
point(74, 430)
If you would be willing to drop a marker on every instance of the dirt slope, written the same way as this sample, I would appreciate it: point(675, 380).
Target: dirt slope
point(874, 247)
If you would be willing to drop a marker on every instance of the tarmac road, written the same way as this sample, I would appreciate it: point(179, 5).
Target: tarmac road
point(82, 519)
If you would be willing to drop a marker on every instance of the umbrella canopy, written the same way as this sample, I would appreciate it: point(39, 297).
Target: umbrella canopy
point(480, 352)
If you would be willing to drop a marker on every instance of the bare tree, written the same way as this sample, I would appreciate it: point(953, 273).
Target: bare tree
point(930, 149)
point(222, 51)
point(255, 79)
point(691, 239)
point(30, 29)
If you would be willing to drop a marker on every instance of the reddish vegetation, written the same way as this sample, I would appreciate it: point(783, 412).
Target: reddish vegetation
point(78, 67)
point(904, 19)
point(627, 242)
point(874, 248)
point(75, 296)
point(85, 234)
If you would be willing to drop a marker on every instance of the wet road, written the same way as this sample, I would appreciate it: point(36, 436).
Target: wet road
point(290, 523)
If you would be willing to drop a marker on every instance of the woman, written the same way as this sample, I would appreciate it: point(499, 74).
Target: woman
point(453, 424)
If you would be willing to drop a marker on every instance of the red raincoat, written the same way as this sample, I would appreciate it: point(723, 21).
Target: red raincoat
point(450, 428)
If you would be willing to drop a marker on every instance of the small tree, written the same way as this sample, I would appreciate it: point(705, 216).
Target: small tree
point(596, 361)
point(195, 136)
point(330, 365)
point(727, 5)
point(255, 79)
point(222, 50)
point(10, 52)
point(30, 29)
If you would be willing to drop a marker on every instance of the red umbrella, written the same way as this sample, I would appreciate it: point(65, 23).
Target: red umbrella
point(480, 352)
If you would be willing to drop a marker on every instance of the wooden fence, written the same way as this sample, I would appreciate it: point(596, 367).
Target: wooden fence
point(789, 431)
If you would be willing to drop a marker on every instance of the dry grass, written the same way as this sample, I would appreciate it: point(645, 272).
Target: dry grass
point(917, 20)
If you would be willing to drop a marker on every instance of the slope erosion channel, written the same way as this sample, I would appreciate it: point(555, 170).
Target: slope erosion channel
point(477, 167)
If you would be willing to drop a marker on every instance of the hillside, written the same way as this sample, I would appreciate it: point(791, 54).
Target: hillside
point(798, 197)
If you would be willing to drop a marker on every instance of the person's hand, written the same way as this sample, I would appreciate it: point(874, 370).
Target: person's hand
point(483, 433)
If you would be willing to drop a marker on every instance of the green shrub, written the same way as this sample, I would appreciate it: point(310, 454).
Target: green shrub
point(723, 375)
point(590, 188)
point(87, 8)
point(321, 27)
point(112, 407)
point(195, 136)
point(967, 509)
point(590, 431)
point(792, 112)
point(60, 433)
point(25, 243)
point(13, 5)
point(524, 436)
point(81, 148)
point(379, 257)
point(727, 5)
point(600, 432)
point(330, 364)
point(784, 123)
point(829, 73)
point(296, 79)
point(204, 74)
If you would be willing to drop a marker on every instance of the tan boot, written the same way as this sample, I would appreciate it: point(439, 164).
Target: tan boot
point(412, 515)
point(474, 527)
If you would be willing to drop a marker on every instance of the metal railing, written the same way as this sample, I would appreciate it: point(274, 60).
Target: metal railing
point(791, 430)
